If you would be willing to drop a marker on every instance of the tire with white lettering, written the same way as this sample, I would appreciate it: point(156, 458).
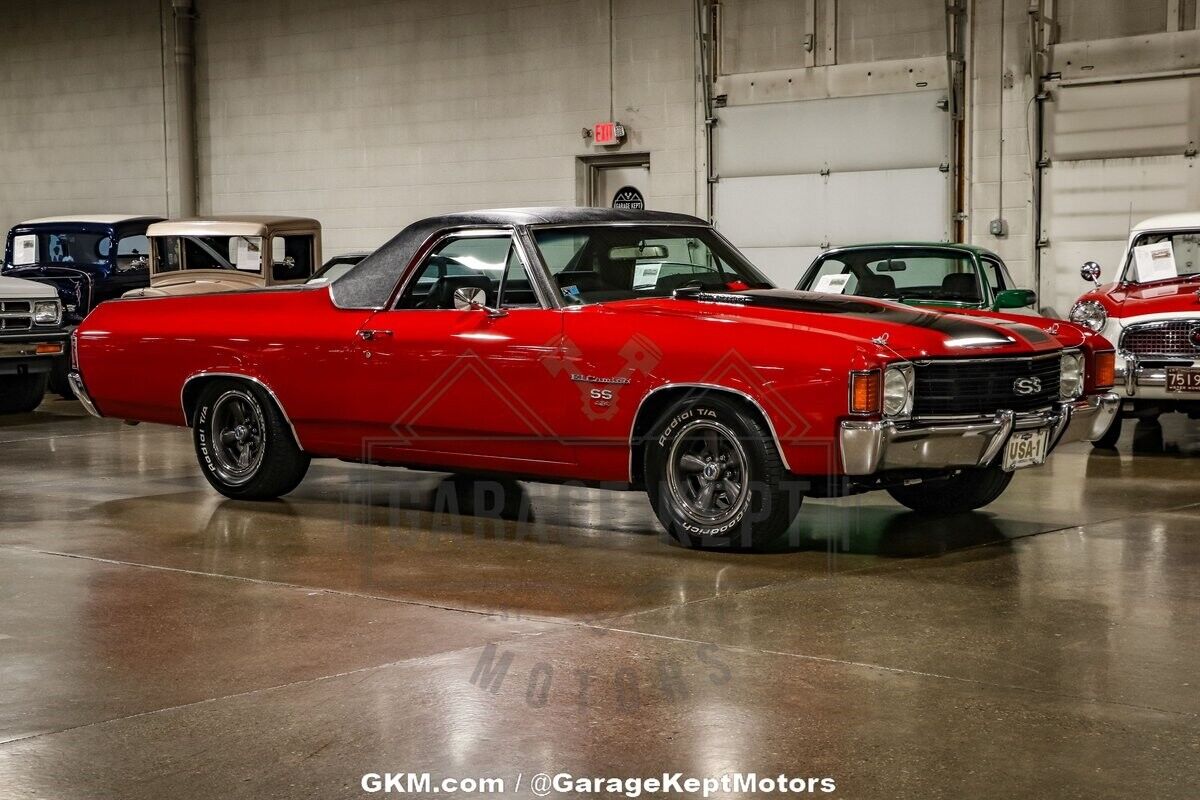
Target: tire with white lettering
point(245, 446)
point(715, 477)
point(966, 491)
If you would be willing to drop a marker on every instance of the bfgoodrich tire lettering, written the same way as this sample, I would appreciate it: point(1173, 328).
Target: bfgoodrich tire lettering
point(715, 477)
point(966, 491)
point(245, 448)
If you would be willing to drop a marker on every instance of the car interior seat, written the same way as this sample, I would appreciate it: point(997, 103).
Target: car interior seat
point(961, 286)
point(872, 285)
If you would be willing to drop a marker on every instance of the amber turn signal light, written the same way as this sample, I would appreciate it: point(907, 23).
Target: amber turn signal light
point(864, 392)
point(1106, 365)
point(49, 349)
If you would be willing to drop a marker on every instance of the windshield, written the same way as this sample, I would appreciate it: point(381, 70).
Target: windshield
point(175, 253)
point(606, 263)
point(915, 274)
point(60, 248)
point(1163, 256)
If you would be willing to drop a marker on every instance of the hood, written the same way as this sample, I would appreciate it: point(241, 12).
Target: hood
point(1134, 299)
point(912, 333)
point(73, 284)
point(19, 289)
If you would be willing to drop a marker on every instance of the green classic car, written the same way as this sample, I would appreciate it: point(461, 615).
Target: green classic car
point(918, 273)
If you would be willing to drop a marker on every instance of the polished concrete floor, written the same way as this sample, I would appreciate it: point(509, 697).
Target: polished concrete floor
point(157, 640)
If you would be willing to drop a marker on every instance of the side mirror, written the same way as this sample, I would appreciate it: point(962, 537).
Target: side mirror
point(1015, 298)
point(1090, 271)
point(472, 298)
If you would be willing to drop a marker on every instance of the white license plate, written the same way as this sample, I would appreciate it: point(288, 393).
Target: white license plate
point(1026, 449)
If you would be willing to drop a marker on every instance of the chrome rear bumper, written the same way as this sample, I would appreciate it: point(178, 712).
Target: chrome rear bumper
point(81, 394)
point(877, 445)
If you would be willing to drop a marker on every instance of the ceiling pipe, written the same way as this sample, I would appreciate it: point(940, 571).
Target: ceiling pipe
point(184, 12)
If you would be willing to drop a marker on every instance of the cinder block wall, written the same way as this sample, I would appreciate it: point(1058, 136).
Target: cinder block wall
point(369, 115)
point(81, 109)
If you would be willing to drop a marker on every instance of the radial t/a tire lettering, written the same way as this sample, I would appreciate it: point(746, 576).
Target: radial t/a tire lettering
point(715, 477)
point(244, 445)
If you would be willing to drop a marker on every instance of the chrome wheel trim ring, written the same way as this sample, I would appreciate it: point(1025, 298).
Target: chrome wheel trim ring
point(710, 491)
point(237, 431)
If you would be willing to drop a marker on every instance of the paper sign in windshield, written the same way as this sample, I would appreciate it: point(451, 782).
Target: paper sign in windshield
point(645, 276)
point(1155, 262)
point(249, 254)
point(24, 250)
point(832, 284)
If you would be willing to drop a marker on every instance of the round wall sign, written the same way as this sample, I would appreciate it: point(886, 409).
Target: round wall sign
point(629, 197)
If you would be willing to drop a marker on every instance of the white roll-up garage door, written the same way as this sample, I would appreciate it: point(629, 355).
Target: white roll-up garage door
point(1116, 154)
point(797, 177)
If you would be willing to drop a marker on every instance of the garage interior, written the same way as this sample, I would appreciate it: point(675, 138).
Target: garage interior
point(158, 639)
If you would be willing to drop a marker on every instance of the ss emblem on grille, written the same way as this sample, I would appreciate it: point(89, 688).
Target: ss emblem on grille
point(1027, 385)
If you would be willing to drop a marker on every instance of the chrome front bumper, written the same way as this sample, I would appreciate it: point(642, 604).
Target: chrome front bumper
point(877, 445)
point(81, 394)
point(1147, 383)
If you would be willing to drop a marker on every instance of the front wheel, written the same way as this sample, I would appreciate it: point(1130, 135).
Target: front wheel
point(20, 394)
point(715, 477)
point(58, 379)
point(966, 491)
point(245, 447)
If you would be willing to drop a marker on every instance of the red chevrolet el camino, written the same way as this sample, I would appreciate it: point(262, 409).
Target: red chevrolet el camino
point(631, 349)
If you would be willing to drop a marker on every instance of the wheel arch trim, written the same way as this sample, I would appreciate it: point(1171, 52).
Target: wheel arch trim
point(707, 387)
point(187, 417)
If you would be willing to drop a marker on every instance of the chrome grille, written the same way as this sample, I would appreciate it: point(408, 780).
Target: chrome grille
point(1166, 339)
point(984, 386)
point(16, 315)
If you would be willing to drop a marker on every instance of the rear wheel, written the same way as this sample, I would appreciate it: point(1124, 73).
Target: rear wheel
point(966, 491)
point(245, 447)
point(1109, 440)
point(715, 477)
point(20, 394)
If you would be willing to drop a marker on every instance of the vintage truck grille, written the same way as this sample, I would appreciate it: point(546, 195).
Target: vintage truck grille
point(985, 385)
point(1167, 339)
point(16, 315)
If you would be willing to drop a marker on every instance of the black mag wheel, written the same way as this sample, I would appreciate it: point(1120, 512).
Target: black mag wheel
point(707, 472)
point(238, 433)
point(245, 447)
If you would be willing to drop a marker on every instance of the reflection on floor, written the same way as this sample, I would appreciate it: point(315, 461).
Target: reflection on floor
point(158, 640)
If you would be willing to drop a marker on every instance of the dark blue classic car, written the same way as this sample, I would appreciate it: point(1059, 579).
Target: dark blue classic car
point(86, 259)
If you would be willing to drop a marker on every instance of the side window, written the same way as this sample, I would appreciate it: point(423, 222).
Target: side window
point(291, 257)
point(133, 253)
point(477, 264)
point(994, 274)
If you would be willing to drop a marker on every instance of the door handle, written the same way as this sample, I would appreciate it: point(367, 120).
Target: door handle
point(367, 334)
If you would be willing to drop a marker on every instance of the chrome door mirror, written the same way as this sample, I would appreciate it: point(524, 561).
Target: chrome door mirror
point(1090, 271)
point(472, 298)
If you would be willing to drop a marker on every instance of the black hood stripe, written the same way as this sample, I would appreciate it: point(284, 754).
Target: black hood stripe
point(980, 334)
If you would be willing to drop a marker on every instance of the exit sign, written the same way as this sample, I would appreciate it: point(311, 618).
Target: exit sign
point(608, 133)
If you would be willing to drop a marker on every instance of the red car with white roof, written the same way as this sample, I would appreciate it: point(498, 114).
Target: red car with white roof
point(1151, 311)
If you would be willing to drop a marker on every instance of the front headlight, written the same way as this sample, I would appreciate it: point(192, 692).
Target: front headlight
point(1089, 314)
point(898, 391)
point(47, 312)
point(1070, 382)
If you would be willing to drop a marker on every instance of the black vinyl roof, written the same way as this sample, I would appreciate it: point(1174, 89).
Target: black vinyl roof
point(370, 284)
